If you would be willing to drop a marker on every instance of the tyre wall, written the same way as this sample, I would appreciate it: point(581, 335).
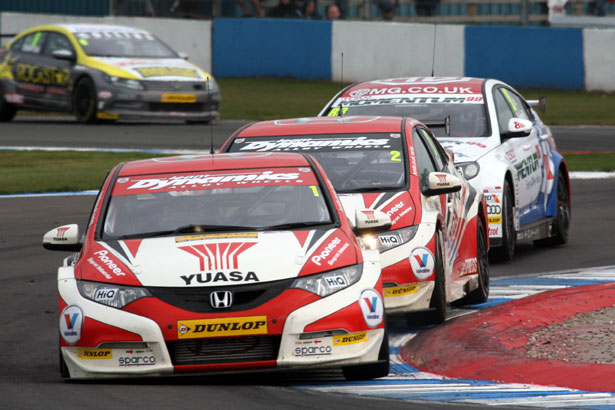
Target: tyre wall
point(535, 57)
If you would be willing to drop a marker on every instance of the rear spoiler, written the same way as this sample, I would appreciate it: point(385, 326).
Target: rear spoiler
point(445, 123)
point(540, 103)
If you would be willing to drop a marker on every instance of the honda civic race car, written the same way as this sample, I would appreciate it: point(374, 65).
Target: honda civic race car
point(498, 140)
point(102, 72)
point(220, 263)
point(436, 249)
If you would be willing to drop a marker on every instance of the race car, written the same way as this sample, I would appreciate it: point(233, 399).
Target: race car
point(436, 249)
point(223, 263)
point(499, 142)
point(102, 72)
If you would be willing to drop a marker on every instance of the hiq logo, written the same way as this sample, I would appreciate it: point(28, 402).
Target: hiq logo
point(71, 321)
point(422, 263)
point(372, 307)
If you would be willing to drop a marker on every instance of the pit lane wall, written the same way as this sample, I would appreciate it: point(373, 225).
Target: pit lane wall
point(533, 57)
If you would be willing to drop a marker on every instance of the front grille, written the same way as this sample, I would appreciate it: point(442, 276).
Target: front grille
point(177, 107)
point(224, 350)
point(244, 296)
point(174, 85)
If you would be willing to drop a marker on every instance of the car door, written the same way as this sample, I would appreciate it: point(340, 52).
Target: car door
point(57, 69)
point(524, 153)
point(26, 68)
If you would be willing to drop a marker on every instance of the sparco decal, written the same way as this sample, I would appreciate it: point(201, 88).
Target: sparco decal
point(195, 181)
point(137, 361)
point(313, 144)
point(231, 326)
point(321, 350)
point(71, 321)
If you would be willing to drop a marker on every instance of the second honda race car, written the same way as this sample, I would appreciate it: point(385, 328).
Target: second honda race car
point(102, 72)
point(222, 263)
point(500, 143)
point(436, 250)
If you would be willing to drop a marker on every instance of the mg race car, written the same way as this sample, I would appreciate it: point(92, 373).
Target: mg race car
point(436, 249)
point(220, 263)
point(102, 72)
point(499, 142)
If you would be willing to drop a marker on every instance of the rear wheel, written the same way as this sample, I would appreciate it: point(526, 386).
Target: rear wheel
point(371, 370)
point(562, 218)
point(63, 368)
point(480, 294)
point(438, 299)
point(7, 110)
point(506, 251)
point(84, 101)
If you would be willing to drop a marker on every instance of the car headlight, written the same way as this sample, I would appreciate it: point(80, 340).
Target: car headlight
point(124, 82)
point(390, 239)
point(468, 169)
point(111, 295)
point(325, 284)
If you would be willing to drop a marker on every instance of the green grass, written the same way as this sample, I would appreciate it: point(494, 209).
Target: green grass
point(590, 162)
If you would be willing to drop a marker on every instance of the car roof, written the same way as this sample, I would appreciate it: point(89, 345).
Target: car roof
point(324, 125)
point(216, 162)
point(419, 85)
point(81, 27)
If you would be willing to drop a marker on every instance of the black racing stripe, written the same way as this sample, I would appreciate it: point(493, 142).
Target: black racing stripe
point(470, 201)
point(317, 235)
point(115, 245)
point(384, 198)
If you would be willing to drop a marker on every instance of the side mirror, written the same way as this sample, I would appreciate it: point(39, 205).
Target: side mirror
point(183, 56)
point(63, 238)
point(442, 183)
point(64, 54)
point(370, 221)
point(518, 127)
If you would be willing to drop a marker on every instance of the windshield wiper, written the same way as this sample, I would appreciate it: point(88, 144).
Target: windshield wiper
point(294, 225)
point(192, 228)
point(370, 189)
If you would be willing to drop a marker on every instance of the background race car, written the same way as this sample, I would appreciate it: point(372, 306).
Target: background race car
point(436, 250)
point(219, 263)
point(499, 142)
point(102, 72)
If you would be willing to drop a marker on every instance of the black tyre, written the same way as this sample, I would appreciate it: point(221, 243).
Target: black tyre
point(371, 370)
point(562, 218)
point(63, 368)
point(506, 251)
point(84, 101)
point(7, 111)
point(438, 299)
point(480, 294)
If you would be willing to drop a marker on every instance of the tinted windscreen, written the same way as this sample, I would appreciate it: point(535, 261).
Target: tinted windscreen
point(123, 44)
point(466, 119)
point(353, 162)
point(217, 201)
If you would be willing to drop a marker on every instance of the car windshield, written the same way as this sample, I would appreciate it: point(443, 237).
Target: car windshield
point(111, 43)
point(467, 120)
point(255, 199)
point(353, 162)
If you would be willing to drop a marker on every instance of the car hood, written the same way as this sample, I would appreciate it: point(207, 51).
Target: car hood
point(217, 260)
point(468, 149)
point(398, 205)
point(160, 69)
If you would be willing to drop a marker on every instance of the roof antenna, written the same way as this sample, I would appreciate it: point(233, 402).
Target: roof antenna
point(211, 120)
point(340, 113)
point(433, 54)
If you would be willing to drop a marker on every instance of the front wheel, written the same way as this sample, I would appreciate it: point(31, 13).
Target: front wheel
point(562, 218)
point(7, 110)
point(480, 294)
point(371, 370)
point(438, 299)
point(84, 101)
point(506, 251)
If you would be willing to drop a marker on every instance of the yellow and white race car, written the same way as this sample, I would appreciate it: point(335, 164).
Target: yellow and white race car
point(102, 72)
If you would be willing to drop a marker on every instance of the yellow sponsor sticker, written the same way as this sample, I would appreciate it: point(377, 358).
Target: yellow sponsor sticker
point(350, 339)
point(230, 326)
point(95, 354)
point(217, 236)
point(167, 71)
point(400, 290)
point(178, 98)
point(495, 219)
point(107, 116)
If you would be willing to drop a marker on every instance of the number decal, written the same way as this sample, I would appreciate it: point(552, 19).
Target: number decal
point(315, 190)
point(336, 111)
point(395, 156)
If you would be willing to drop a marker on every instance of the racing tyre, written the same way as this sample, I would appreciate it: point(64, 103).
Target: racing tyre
point(63, 368)
point(562, 218)
point(480, 294)
point(506, 251)
point(7, 111)
point(371, 370)
point(84, 101)
point(438, 299)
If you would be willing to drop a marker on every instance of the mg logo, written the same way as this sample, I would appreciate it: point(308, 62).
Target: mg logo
point(221, 299)
point(218, 255)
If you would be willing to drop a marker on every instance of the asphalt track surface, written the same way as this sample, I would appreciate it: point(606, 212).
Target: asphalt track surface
point(29, 376)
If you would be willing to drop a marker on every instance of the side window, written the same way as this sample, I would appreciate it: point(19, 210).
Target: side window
point(17, 45)
point(424, 162)
point(435, 148)
point(33, 42)
point(516, 104)
point(57, 41)
point(503, 110)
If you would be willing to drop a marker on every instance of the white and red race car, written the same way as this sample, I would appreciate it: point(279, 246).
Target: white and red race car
point(220, 263)
point(436, 250)
point(498, 140)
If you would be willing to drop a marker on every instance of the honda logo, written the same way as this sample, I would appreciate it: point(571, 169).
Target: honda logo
point(221, 299)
